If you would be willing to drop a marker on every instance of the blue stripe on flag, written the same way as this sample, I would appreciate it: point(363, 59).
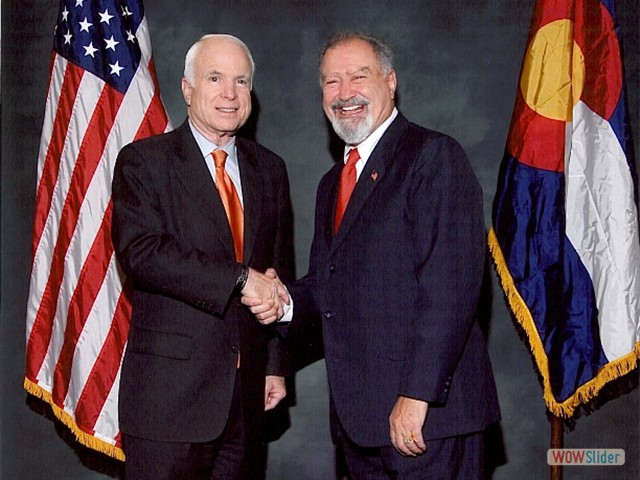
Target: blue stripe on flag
point(548, 273)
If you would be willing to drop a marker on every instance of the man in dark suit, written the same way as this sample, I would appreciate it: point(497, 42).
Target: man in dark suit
point(198, 213)
point(395, 273)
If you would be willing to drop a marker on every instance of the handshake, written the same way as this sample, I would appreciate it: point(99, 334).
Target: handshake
point(265, 295)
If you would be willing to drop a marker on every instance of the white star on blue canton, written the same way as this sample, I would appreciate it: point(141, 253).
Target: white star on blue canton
point(65, 14)
point(116, 68)
point(84, 25)
point(130, 36)
point(90, 50)
point(67, 38)
point(111, 43)
point(105, 17)
point(79, 3)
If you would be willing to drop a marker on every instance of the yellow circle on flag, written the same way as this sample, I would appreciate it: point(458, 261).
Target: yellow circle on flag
point(553, 72)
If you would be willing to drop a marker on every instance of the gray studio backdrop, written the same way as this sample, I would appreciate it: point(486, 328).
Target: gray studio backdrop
point(457, 62)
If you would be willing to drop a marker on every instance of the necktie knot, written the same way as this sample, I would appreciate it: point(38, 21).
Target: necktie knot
point(219, 158)
point(353, 157)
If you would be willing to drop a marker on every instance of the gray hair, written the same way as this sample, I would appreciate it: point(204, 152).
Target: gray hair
point(381, 50)
point(189, 68)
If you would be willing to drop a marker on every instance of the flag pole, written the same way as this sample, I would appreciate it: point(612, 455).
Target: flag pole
point(557, 441)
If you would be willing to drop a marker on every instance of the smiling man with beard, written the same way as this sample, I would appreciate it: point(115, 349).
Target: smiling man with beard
point(395, 274)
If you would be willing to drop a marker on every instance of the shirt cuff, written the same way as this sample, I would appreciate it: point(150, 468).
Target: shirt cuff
point(288, 310)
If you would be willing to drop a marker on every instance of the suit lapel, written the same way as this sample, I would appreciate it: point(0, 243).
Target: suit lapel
point(251, 190)
point(333, 179)
point(192, 171)
point(373, 173)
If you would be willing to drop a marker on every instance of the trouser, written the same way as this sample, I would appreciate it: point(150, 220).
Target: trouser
point(219, 459)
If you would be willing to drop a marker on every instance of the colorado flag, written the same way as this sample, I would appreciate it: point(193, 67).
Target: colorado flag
point(565, 222)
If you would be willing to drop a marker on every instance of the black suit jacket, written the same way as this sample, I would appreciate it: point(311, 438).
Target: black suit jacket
point(397, 289)
point(173, 240)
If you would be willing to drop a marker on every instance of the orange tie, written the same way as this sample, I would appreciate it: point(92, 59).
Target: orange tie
point(231, 202)
point(345, 189)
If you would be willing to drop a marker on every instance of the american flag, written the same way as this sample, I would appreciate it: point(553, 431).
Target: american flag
point(103, 93)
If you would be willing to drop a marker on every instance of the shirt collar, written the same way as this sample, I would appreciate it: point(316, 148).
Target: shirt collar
point(368, 144)
point(207, 146)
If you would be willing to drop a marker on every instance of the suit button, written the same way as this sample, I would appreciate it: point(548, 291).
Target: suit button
point(235, 349)
point(328, 315)
point(332, 268)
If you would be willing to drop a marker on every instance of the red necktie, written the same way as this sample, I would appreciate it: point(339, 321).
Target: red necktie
point(345, 189)
point(231, 202)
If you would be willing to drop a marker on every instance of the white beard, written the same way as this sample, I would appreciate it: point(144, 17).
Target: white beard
point(353, 134)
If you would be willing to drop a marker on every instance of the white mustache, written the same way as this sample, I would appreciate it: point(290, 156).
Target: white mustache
point(349, 103)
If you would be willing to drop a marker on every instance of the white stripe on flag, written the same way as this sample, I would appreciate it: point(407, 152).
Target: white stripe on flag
point(93, 335)
point(107, 427)
point(602, 225)
point(144, 41)
point(50, 109)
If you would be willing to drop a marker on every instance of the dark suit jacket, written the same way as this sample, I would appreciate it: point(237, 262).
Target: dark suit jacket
point(172, 238)
point(398, 287)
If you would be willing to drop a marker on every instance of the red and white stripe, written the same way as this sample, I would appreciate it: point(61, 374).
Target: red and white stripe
point(77, 312)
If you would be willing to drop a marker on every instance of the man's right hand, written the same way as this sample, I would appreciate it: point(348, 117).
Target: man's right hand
point(265, 295)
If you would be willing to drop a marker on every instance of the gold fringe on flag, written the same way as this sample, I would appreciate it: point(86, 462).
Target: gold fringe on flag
point(586, 392)
point(84, 438)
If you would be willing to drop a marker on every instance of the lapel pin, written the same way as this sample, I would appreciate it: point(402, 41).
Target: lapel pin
point(374, 175)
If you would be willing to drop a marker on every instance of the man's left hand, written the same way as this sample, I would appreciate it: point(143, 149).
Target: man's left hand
point(275, 390)
point(406, 421)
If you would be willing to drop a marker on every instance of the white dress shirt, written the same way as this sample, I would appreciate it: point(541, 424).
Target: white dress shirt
point(365, 148)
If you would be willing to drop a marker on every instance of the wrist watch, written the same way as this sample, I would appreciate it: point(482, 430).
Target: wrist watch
point(242, 279)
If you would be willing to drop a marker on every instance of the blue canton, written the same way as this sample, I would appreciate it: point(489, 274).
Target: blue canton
point(99, 36)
